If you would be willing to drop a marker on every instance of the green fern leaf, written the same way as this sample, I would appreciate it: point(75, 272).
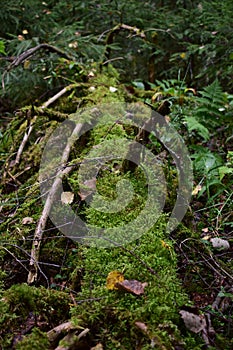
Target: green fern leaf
point(193, 125)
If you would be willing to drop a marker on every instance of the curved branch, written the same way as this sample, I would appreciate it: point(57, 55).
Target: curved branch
point(30, 52)
point(110, 38)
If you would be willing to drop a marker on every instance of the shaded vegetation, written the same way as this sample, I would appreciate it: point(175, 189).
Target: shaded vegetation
point(174, 56)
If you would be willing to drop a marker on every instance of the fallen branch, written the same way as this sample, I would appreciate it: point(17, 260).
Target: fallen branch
point(51, 114)
point(71, 337)
point(59, 94)
point(35, 251)
point(71, 340)
point(24, 141)
point(54, 333)
point(32, 122)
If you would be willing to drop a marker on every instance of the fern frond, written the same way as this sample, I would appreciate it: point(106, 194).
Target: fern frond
point(210, 105)
point(193, 125)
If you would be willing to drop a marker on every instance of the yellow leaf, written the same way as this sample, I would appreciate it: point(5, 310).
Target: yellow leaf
point(113, 278)
point(158, 96)
point(192, 90)
point(183, 55)
point(196, 190)
point(26, 64)
point(165, 245)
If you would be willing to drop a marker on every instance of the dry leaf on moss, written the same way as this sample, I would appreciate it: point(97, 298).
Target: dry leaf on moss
point(194, 323)
point(142, 326)
point(113, 278)
point(132, 286)
point(88, 188)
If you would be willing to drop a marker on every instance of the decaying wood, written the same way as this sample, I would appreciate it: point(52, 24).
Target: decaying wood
point(71, 340)
point(69, 334)
point(54, 333)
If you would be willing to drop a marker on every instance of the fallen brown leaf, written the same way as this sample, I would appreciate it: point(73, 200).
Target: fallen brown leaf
point(132, 286)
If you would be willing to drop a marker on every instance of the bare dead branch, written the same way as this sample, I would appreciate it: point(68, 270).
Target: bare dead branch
point(26, 54)
point(59, 94)
point(35, 251)
point(24, 141)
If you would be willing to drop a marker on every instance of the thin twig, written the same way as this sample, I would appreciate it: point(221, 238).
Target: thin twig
point(59, 94)
point(25, 252)
point(24, 141)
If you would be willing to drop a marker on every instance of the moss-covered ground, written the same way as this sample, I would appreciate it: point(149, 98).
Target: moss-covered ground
point(72, 276)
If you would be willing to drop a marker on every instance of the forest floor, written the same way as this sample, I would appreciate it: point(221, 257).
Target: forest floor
point(147, 288)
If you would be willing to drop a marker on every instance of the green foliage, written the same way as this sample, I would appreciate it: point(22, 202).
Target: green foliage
point(193, 125)
point(204, 118)
point(207, 165)
point(203, 30)
point(205, 113)
point(193, 36)
point(2, 48)
point(211, 105)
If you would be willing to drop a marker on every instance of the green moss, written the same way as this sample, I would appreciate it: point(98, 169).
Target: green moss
point(37, 340)
point(19, 301)
point(113, 317)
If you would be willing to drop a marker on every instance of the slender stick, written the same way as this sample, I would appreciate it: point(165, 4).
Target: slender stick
point(35, 251)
